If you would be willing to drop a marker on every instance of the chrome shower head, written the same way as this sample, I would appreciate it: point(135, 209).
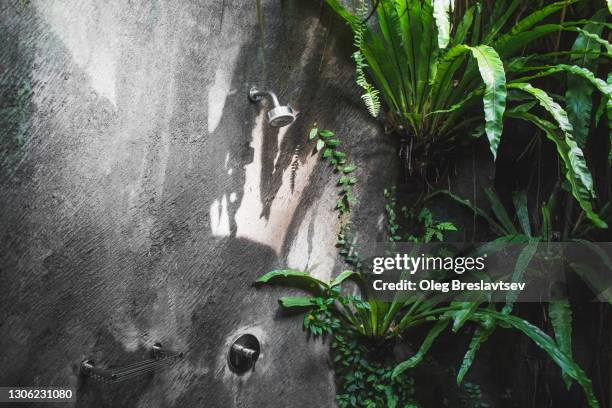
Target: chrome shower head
point(278, 116)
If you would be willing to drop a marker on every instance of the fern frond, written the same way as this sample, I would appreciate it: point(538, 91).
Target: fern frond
point(370, 97)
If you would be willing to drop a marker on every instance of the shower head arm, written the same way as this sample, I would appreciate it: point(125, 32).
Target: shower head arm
point(279, 115)
point(256, 95)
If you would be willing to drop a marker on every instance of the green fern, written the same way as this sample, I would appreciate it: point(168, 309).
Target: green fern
point(370, 97)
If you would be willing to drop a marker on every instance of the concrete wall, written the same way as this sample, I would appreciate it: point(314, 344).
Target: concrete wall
point(148, 194)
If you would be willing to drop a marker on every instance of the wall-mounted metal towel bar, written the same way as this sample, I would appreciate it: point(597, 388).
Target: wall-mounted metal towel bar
point(160, 357)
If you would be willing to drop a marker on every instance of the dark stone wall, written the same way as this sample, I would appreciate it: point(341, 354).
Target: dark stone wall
point(145, 193)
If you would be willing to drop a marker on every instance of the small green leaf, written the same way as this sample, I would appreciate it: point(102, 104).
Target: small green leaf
point(326, 133)
point(320, 145)
point(332, 142)
point(313, 133)
point(296, 301)
point(327, 153)
point(342, 277)
point(349, 169)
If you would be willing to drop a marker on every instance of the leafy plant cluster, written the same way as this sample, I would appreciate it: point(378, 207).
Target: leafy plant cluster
point(365, 382)
point(369, 325)
point(372, 325)
point(375, 324)
point(448, 75)
point(516, 227)
point(444, 73)
point(346, 242)
point(365, 376)
point(423, 227)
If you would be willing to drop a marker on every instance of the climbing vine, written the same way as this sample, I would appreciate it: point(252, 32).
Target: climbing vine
point(328, 143)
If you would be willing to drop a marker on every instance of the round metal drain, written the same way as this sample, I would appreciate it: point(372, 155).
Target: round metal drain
point(243, 353)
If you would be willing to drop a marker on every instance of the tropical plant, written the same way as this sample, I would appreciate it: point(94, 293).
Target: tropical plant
point(375, 322)
point(433, 63)
point(360, 322)
point(520, 229)
point(364, 380)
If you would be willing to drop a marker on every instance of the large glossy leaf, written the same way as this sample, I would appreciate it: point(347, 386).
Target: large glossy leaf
point(575, 166)
point(546, 343)
point(383, 70)
point(500, 20)
point(560, 315)
point(575, 70)
point(481, 335)
point(492, 72)
point(607, 46)
point(508, 45)
point(519, 199)
point(539, 15)
point(579, 93)
point(466, 308)
point(431, 336)
point(422, 34)
point(500, 212)
point(522, 262)
point(582, 179)
point(465, 25)
point(442, 10)
point(552, 107)
point(522, 33)
point(380, 310)
point(447, 66)
point(389, 23)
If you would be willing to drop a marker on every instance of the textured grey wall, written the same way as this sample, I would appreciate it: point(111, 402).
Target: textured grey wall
point(147, 193)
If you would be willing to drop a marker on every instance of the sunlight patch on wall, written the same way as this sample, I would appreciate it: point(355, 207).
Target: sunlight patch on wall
point(93, 47)
point(219, 218)
point(313, 248)
point(250, 223)
point(221, 88)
